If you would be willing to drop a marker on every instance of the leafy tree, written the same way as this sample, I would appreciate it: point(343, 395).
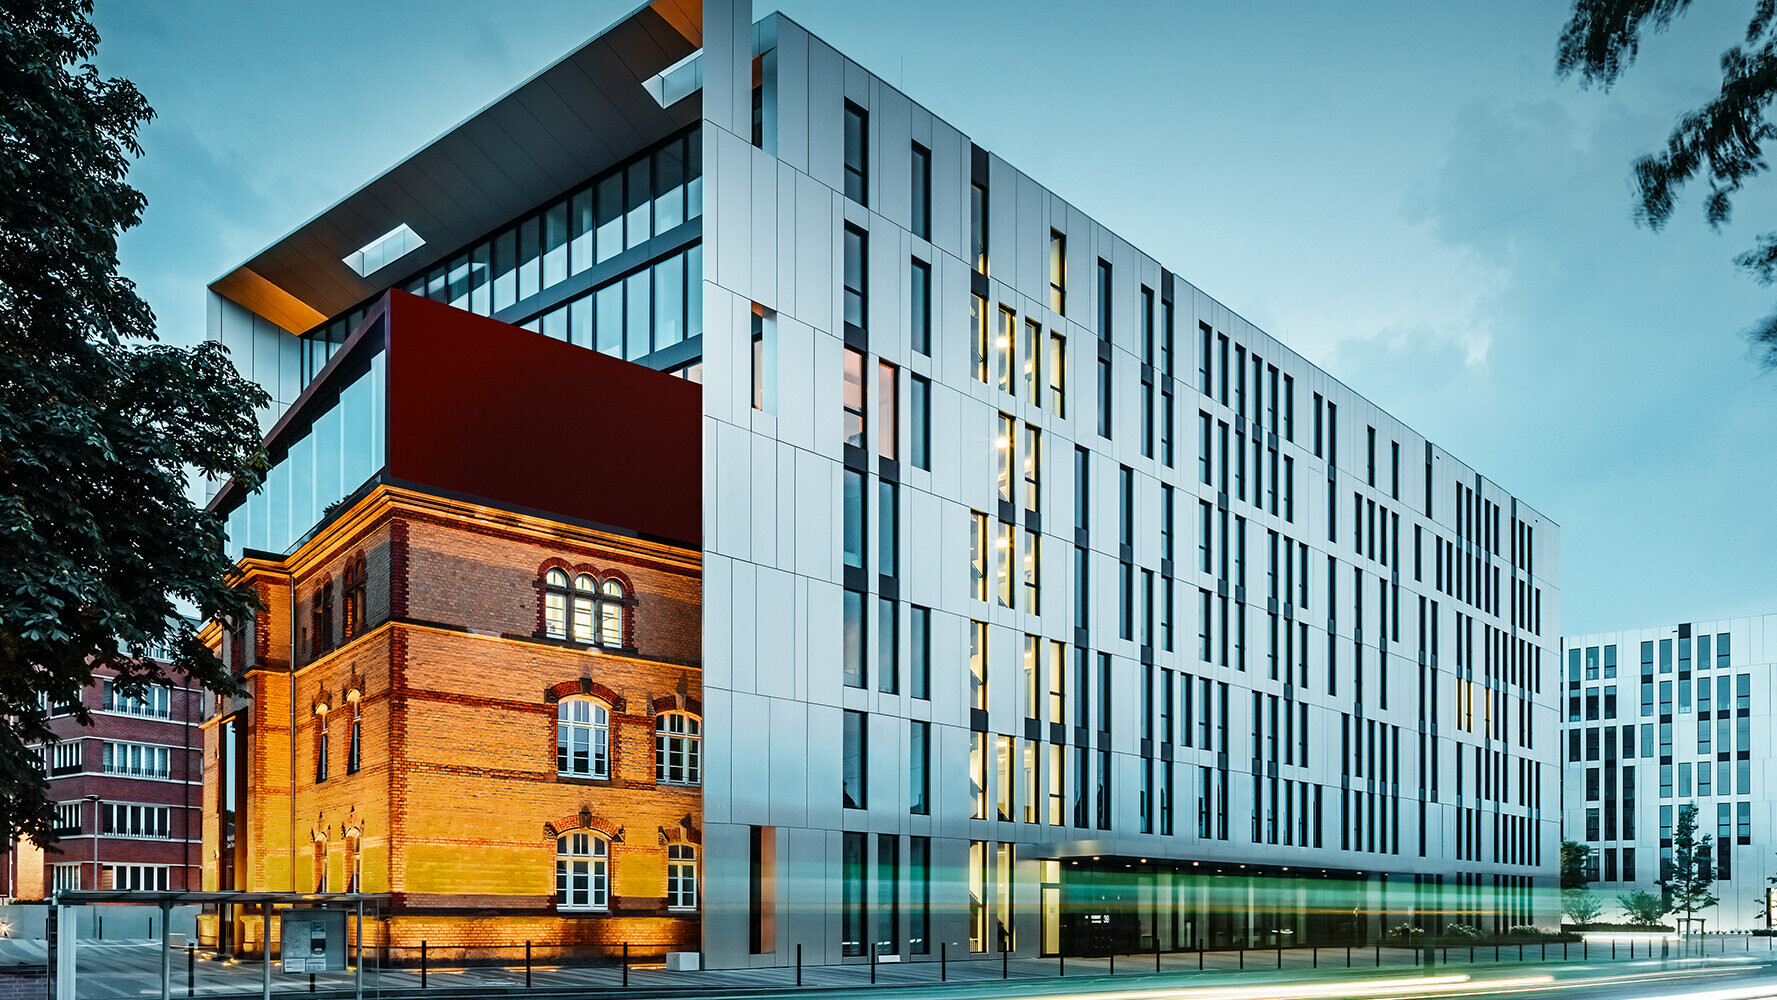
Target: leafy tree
point(1689, 883)
point(1574, 856)
point(1580, 904)
point(100, 544)
point(1643, 907)
point(1722, 140)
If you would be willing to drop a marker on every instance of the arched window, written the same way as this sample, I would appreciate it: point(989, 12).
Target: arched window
point(320, 864)
point(354, 599)
point(353, 839)
point(681, 877)
point(321, 620)
point(555, 604)
point(678, 748)
point(585, 596)
point(583, 738)
point(582, 874)
point(611, 614)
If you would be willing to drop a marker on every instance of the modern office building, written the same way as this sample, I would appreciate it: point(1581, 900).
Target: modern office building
point(1047, 604)
point(126, 791)
point(1690, 728)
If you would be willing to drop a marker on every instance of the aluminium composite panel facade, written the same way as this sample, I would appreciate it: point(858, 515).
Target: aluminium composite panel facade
point(775, 579)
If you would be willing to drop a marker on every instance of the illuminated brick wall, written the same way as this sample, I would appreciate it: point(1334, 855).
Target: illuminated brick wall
point(456, 801)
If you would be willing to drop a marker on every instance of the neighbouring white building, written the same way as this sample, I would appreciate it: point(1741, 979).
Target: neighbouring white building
point(1668, 718)
point(1048, 604)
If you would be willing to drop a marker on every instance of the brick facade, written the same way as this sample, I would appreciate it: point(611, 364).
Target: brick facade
point(173, 727)
point(455, 802)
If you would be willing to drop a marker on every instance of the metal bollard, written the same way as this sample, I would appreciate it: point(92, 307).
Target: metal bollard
point(1156, 954)
point(1348, 956)
point(1317, 956)
point(1200, 958)
point(1378, 956)
point(1060, 966)
point(1113, 962)
point(1280, 956)
point(527, 965)
point(1584, 948)
point(626, 965)
point(798, 965)
point(873, 963)
point(422, 965)
point(311, 982)
point(190, 970)
point(1005, 960)
point(1243, 956)
point(943, 963)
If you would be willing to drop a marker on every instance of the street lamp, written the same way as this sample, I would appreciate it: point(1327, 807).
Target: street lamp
point(94, 799)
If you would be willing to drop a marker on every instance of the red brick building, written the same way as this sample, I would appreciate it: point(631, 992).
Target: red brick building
point(127, 791)
point(475, 683)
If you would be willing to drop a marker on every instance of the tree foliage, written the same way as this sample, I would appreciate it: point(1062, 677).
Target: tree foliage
point(1643, 907)
point(1722, 141)
point(1573, 864)
point(100, 545)
point(1582, 906)
point(1690, 882)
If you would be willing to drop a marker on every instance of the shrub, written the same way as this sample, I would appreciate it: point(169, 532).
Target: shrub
point(1462, 932)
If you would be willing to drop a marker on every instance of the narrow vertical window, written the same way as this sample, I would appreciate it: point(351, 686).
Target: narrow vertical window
point(1004, 350)
point(978, 337)
point(921, 158)
point(857, 151)
point(1058, 272)
point(920, 418)
point(1104, 299)
point(855, 760)
point(978, 226)
point(920, 307)
point(856, 285)
point(887, 411)
point(1058, 374)
point(854, 398)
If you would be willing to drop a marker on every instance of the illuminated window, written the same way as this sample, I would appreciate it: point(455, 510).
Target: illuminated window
point(678, 748)
point(582, 874)
point(1004, 349)
point(583, 738)
point(353, 618)
point(681, 877)
point(1058, 272)
point(612, 602)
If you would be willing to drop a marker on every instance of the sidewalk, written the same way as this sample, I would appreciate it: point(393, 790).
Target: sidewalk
point(131, 969)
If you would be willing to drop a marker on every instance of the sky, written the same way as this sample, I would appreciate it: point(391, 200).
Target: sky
point(1403, 192)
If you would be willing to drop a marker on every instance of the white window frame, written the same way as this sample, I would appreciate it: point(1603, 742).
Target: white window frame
point(678, 749)
point(596, 727)
point(681, 877)
point(582, 871)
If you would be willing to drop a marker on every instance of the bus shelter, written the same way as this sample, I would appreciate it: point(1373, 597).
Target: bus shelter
point(313, 931)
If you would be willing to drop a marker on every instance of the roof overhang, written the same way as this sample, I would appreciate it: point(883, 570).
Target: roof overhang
point(565, 124)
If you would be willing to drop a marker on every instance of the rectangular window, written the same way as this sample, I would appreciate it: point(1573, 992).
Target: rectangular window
point(854, 639)
point(856, 281)
point(1058, 374)
point(1147, 325)
point(1104, 398)
point(855, 761)
point(887, 411)
point(920, 403)
point(853, 866)
point(854, 527)
point(854, 398)
point(1007, 556)
point(920, 306)
point(919, 757)
point(978, 555)
point(1058, 272)
point(978, 336)
point(857, 150)
point(978, 665)
point(921, 158)
point(978, 226)
point(1033, 468)
point(919, 895)
point(888, 654)
point(1031, 359)
point(1104, 299)
point(919, 652)
point(1004, 350)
